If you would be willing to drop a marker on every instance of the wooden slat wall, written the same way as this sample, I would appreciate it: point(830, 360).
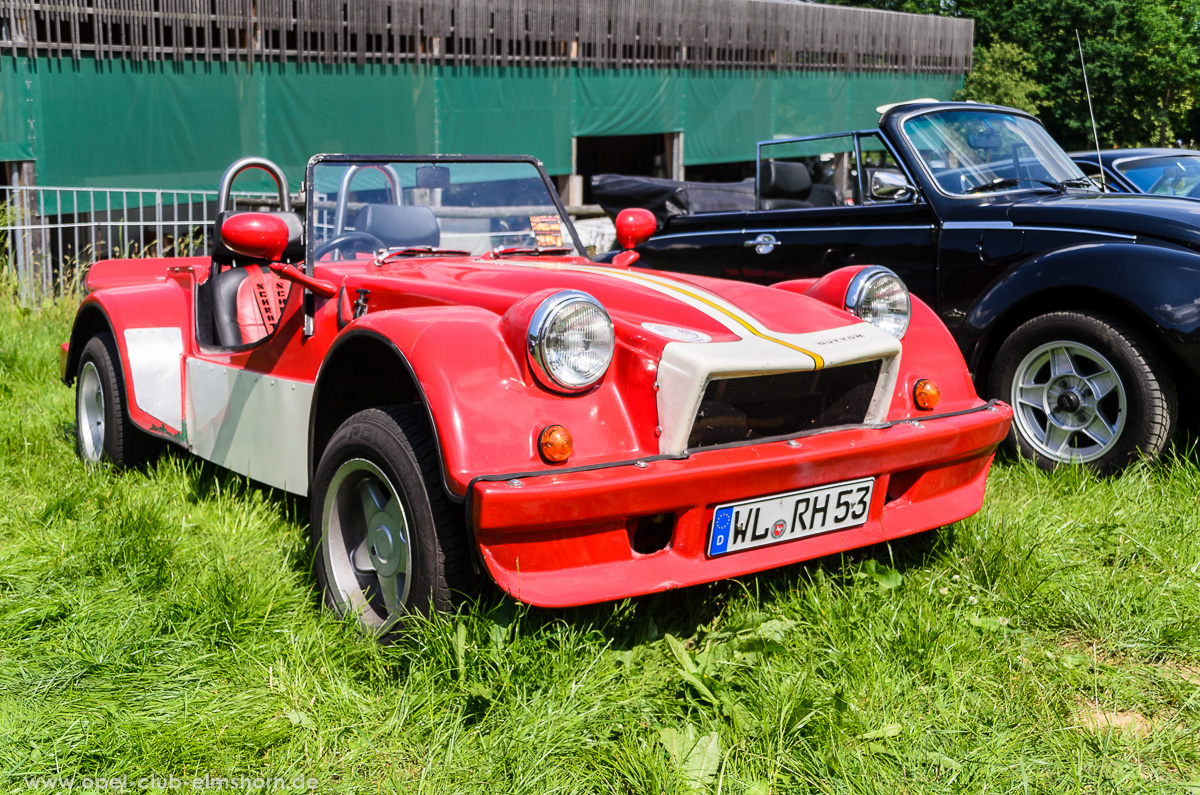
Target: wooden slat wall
point(738, 34)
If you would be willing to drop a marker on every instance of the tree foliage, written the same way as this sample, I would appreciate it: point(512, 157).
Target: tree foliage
point(1002, 75)
point(1143, 62)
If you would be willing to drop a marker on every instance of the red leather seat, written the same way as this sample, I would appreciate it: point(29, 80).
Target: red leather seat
point(260, 300)
point(248, 302)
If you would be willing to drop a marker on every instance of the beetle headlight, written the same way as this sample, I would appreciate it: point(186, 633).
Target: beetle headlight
point(880, 297)
point(571, 341)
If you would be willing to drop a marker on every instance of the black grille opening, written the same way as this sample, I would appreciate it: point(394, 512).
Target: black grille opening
point(761, 406)
point(649, 534)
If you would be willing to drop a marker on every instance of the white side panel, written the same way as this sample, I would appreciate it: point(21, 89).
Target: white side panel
point(250, 423)
point(154, 357)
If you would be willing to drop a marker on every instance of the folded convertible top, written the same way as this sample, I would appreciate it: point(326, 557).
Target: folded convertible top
point(667, 197)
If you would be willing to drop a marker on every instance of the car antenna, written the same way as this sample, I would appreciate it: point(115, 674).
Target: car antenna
point(1088, 91)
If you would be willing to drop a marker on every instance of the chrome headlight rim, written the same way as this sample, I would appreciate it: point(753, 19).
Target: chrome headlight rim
point(862, 281)
point(541, 321)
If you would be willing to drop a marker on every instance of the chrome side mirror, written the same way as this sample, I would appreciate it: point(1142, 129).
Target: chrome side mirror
point(892, 186)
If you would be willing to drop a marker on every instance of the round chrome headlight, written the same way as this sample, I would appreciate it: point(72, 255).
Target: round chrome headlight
point(571, 341)
point(880, 297)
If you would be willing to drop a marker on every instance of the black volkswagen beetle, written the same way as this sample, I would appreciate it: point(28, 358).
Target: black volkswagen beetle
point(1081, 308)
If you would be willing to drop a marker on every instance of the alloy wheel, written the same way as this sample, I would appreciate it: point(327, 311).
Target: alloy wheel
point(1070, 403)
point(368, 550)
point(90, 413)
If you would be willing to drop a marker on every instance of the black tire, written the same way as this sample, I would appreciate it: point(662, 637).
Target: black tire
point(1062, 412)
point(103, 430)
point(376, 454)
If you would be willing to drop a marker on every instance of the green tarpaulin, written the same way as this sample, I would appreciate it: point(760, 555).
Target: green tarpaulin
point(177, 125)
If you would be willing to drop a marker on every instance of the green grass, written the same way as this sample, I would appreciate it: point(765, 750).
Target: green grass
point(164, 622)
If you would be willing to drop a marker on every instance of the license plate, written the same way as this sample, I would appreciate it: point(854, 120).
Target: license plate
point(737, 526)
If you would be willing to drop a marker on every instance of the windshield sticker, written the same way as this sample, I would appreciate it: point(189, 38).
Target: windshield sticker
point(547, 229)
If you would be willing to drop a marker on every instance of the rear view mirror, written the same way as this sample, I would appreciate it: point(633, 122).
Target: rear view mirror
point(433, 177)
point(255, 235)
point(984, 140)
point(890, 185)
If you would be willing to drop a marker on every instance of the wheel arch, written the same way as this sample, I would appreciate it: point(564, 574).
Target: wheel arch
point(356, 376)
point(1060, 299)
point(90, 320)
point(1090, 278)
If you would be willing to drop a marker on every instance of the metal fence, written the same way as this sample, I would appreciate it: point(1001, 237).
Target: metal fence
point(710, 34)
point(48, 236)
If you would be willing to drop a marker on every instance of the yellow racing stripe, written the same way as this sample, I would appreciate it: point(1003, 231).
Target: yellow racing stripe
point(817, 359)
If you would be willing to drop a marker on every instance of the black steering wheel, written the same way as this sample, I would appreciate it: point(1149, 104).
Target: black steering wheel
point(349, 242)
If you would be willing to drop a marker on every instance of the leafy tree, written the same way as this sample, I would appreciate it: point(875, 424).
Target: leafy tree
point(1143, 62)
point(1003, 75)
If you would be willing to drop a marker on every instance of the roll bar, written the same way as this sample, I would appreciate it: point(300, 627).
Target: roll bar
point(225, 192)
point(389, 173)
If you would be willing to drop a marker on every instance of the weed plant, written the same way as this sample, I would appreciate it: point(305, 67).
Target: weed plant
point(164, 622)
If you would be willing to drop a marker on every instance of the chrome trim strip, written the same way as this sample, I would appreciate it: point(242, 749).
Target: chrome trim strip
point(985, 225)
point(1117, 235)
point(781, 230)
point(977, 225)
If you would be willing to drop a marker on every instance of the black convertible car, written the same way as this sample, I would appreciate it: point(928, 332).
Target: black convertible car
point(1080, 308)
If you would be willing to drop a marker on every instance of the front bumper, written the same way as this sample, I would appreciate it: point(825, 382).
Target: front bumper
point(564, 539)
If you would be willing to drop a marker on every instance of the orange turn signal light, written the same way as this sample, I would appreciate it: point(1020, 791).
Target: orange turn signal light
point(926, 394)
point(555, 444)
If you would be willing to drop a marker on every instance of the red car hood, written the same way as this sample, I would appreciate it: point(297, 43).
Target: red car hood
point(722, 310)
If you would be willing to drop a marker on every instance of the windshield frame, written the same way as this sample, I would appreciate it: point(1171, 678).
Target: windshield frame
point(901, 125)
point(857, 136)
point(384, 160)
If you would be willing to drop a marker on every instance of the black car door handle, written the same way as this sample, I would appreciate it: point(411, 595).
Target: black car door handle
point(763, 244)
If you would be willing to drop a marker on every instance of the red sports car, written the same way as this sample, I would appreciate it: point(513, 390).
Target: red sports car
point(427, 354)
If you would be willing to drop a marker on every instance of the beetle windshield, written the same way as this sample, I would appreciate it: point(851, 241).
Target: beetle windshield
point(415, 207)
point(978, 151)
point(1168, 176)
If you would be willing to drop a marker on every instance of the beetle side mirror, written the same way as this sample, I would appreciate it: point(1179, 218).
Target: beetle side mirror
point(634, 226)
point(892, 186)
point(255, 235)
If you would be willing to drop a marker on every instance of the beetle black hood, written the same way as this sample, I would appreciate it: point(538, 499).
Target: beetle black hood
point(1161, 217)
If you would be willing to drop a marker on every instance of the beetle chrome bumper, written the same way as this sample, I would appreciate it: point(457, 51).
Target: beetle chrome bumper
point(562, 539)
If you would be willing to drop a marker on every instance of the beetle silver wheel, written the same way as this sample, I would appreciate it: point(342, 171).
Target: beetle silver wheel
point(90, 413)
point(367, 549)
point(1070, 403)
